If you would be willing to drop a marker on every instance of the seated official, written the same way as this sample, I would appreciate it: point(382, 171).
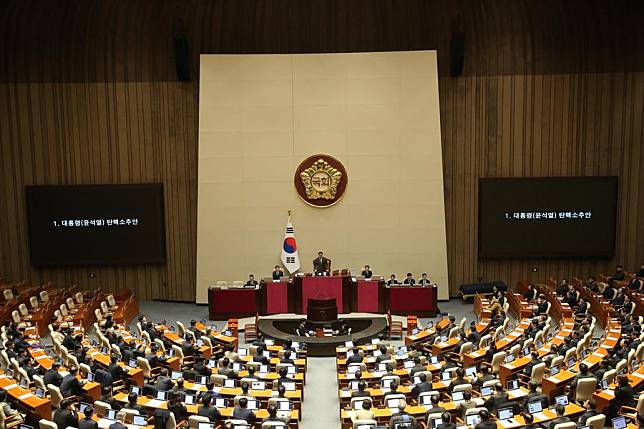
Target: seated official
point(321, 265)
point(52, 376)
point(542, 305)
point(619, 275)
point(193, 328)
point(355, 357)
point(164, 382)
point(272, 416)
point(120, 421)
point(409, 280)
point(487, 421)
point(446, 422)
point(366, 272)
point(6, 407)
point(424, 280)
point(393, 390)
point(362, 390)
point(251, 282)
point(286, 358)
point(591, 411)
point(177, 407)
point(435, 399)
point(534, 396)
point(106, 396)
point(402, 416)
point(200, 367)
point(66, 416)
point(418, 367)
point(226, 368)
point(71, 386)
point(561, 418)
point(423, 386)
point(392, 280)
point(132, 404)
point(277, 273)
point(88, 422)
point(365, 413)
point(116, 370)
point(259, 357)
point(242, 412)
point(208, 411)
point(499, 397)
point(466, 404)
point(384, 354)
point(460, 379)
point(529, 293)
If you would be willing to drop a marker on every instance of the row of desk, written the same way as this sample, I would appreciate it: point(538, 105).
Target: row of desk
point(351, 294)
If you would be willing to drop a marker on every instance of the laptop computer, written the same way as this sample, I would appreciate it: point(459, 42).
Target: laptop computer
point(513, 384)
point(470, 371)
point(445, 376)
point(110, 414)
point(40, 393)
point(571, 362)
point(139, 420)
point(90, 376)
point(357, 404)
point(161, 396)
point(82, 407)
point(526, 351)
point(289, 386)
point(619, 422)
point(190, 399)
point(561, 400)
point(433, 360)
point(472, 420)
point(435, 422)
point(506, 415)
point(221, 403)
point(509, 358)
point(205, 425)
point(393, 403)
point(457, 396)
point(242, 352)
point(409, 364)
point(486, 391)
point(132, 363)
point(253, 404)
point(136, 389)
point(284, 406)
point(176, 375)
point(202, 380)
point(258, 385)
point(535, 407)
point(554, 370)
point(603, 384)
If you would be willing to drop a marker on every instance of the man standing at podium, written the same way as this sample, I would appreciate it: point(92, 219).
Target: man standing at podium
point(367, 273)
point(321, 265)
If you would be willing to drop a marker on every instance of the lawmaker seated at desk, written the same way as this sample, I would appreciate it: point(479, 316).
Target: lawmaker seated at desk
point(251, 282)
point(409, 280)
point(392, 280)
point(424, 280)
point(321, 265)
point(366, 272)
point(277, 273)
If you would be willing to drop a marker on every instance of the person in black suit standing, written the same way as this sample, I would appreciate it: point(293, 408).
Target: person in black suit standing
point(277, 273)
point(321, 265)
point(88, 422)
point(66, 416)
point(366, 272)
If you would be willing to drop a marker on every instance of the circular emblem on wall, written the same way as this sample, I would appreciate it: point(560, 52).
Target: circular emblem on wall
point(320, 180)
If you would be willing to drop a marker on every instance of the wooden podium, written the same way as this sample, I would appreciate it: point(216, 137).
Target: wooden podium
point(322, 310)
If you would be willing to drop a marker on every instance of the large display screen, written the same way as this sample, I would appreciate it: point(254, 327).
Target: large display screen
point(96, 224)
point(547, 217)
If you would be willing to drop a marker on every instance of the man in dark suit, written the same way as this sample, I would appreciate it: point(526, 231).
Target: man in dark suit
point(362, 390)
point(418, 367)
point(106, 396)
point(447, 422)
point(193, 329)
point(163, 383)
point(201, 368)
point(619, 274)
point(366, 272)
point(120, 421)
point(117, 371)
point(70, 386)
point(561, 410)
point(88, 422)
point(421, 387)
point(286, 358)
point(206, 410)
point(487, 422)
point(251, 281)
point(409, 280)
point(591, 407)
point(534, 360)
point(460, 379)
point(424, 280)
point(355, 357)
point(52, 376)
point(384, 355)
point(392, 280)
point(259, 357)
point(624, 395)
point(226, 370)
point(243, 413)
point(435, 399)
point(534, 395)
point(277, 273)
point(499, 397)
point(133, 404)
point(66, 416)
point(321, 265)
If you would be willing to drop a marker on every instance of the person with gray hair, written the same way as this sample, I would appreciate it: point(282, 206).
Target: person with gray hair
point(402, 419)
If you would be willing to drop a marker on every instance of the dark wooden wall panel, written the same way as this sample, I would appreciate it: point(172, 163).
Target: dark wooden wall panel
point(89, 94)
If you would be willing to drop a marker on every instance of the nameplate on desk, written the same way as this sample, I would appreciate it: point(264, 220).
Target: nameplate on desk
point(553, 380)
point(154, 403)
point(599, 355)
point(378, 374)
point(10, 386)
point(25, 396)
point(638, 375)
